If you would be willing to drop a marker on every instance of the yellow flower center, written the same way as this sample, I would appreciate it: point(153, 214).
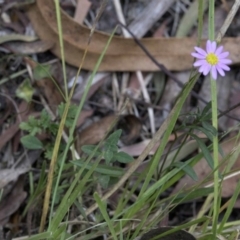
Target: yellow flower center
point(212, 59)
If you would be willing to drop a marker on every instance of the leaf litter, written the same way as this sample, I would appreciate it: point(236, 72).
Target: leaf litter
point(109, 91)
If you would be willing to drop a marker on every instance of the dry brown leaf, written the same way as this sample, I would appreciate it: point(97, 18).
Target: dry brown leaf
point(48, 88)
point(202, 170)
point(134, 88)
point(12, 201)
point(136, 149)
point(83, 115)
point(12, 130)
point(95, 132)
point(52, 93)
point(8, 175)
point(122, 54)
point(162, 29)
point(131, 126)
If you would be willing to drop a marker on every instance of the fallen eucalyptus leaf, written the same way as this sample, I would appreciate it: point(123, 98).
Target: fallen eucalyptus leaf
point(122, 54)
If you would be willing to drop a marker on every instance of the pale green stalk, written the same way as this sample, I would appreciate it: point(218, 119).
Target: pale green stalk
point(59, 25)
point(215, 125)
point(59, 218)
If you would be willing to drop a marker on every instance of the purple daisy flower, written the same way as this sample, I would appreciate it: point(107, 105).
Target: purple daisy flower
point(213, 59)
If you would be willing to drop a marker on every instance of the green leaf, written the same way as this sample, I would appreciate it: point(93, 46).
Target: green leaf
point(114, 137)
point(192, 194)
point(123, 157)
point(77, 186)
point(31, 142)
point(24, 126)
point(89, 149)
point(40, 72)
point(205, 150)
point(25, 90)
point(209, 128)
point(205, 131)
point(71, 113)
point(110, 146)
point(108, 155)
point(103, 208)
point(45, 119)
point(103, 169)
point(104, 180)
point(207, 109)
point(220, 150)
point(187, 169)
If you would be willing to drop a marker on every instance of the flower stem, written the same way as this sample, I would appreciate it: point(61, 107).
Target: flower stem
point(211, 28)
point(216, 200)
point(215, 155)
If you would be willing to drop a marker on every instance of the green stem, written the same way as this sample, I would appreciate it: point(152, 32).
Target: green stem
point(215, 125)
point(215, 154)
point(211, 27)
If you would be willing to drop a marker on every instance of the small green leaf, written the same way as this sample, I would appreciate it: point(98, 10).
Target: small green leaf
point(203, 130)
point(205, 151)
point(110, 147)
point(31, 142)
point(89, 149)
point(187, 169)
point(209, 127)
point(25, 90)
point(108, 155)
point(102, 169)
point(114, 137)
point(207, 108)
point(220, 150)
point(192, 194)
point(71, 113)
point(41, 72)
point(104, 180)
point(123, 157)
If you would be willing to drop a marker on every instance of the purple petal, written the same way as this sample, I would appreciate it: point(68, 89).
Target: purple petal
point(197, 55)
point(199, 63)
point(219, 69)
point(213, 47)
point(223, 66)
point(208, 46)
point(205, 69)
point(201, 51)
point(219, 50)
point(225, 61)
point(223, 55)
point(214, 72)
point(201, 69)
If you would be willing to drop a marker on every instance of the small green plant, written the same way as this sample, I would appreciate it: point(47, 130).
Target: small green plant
point(44, 124)
point(108, 151)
